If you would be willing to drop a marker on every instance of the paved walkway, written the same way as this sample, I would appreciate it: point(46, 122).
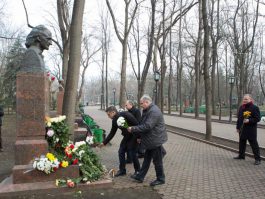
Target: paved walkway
point(193, 169)
point(223, 130)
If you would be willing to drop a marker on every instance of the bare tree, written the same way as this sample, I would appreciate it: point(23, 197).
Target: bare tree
point(74, 63)
point(87, 54)
point(124, 42)
point(206, 70)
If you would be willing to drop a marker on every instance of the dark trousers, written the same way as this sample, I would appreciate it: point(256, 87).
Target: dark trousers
point(157, 156)
point(254, 145)
point(132, 153)
point(1, 146)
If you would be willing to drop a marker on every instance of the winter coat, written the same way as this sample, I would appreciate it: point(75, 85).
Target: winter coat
point(136, 113)
point(248, 130)
point(151, 128)
point(128, 138)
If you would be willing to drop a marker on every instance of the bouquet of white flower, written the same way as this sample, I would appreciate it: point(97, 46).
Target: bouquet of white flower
point(47, 163)
point(121, 122)
point(90, 140)
point(263, 119)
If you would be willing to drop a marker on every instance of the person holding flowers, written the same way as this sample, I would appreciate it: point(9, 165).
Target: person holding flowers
point(122, 120)
point(247, 119)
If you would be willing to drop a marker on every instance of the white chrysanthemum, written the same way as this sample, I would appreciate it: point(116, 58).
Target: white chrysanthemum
point(78, 144)
point(50, 133)
point(120, 121)
point(263, 119)
point(89, 139)
point(49, 124)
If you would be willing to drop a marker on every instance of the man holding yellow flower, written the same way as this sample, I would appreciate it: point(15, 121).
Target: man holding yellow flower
point(247, 119)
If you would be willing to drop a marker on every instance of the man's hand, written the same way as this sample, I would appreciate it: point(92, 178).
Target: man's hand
point(129, 129)
point(101, 145)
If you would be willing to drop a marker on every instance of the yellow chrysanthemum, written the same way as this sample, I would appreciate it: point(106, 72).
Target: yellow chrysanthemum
point(47, 119)
point(246, 114)
point(64, 164)
point(50, 156)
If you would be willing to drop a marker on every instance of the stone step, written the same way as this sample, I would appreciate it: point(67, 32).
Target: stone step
point(27, 174)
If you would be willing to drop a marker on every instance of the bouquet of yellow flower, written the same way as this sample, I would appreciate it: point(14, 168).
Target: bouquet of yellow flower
point(246, 115)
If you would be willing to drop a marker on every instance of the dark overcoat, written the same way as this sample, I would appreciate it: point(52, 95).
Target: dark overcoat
point(248, 130)
point(151, 128)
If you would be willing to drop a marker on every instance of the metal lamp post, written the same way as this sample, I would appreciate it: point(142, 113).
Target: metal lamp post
point(231, 81)
point(156, 78)
point(114, 91)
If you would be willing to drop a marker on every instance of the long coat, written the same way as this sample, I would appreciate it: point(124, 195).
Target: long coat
point(151, 128)
point(248, 130)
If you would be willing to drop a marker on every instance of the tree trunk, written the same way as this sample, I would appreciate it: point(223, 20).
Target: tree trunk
point(206, 71)
point(74, 63)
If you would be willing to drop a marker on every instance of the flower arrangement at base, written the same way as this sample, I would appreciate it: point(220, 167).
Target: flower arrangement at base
point(121, 122)
point(64, 153)
point(47, 164)
point(71, 183)
point(57, 135)
point(90, 167)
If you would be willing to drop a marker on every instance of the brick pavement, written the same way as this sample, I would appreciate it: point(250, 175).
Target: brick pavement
point(223, 130)
point(193, 169)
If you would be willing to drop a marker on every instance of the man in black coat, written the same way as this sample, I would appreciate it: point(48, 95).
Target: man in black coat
point(153, 135)
point(137, 114)
point(129, 141)
point(247, 119)
point(1, 115)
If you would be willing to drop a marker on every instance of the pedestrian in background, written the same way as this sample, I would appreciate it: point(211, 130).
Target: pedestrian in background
point(153, 134)
point(247, 119)
point(1, 115)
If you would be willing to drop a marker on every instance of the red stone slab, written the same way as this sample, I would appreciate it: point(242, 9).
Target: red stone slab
point(27, 150)
point(26, 174)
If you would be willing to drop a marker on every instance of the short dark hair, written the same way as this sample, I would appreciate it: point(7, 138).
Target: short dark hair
point(111, 109)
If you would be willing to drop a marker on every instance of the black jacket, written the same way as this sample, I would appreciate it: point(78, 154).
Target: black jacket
point(128, 138)
point(136, 113)
point(151, 128)
point(248, 130)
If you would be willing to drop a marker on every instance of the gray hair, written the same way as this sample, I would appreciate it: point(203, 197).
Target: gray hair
point(146, 97)
point(130, 102)
point(249, 95)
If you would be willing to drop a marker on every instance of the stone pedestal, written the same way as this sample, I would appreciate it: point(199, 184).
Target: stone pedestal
point(32, 106)
point(26, 174)
point(60, 102)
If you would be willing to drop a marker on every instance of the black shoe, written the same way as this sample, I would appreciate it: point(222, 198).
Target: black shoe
point(120, 173)
point(257, 162)
point(239, 158)
point(135, 174)
point(137, 178)
point(157, 182)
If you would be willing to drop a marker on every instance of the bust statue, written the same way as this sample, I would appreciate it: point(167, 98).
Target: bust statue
point(38, 39)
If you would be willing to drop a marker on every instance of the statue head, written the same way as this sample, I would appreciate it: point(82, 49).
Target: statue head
point(39, 36)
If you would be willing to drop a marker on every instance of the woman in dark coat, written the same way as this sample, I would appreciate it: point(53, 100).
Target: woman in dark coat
point(248, 117)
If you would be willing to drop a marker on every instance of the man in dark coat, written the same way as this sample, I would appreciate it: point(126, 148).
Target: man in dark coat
point(1, 115)
point(247, 119)
point(137, 114)
point(129, 141)
point(153, 134)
